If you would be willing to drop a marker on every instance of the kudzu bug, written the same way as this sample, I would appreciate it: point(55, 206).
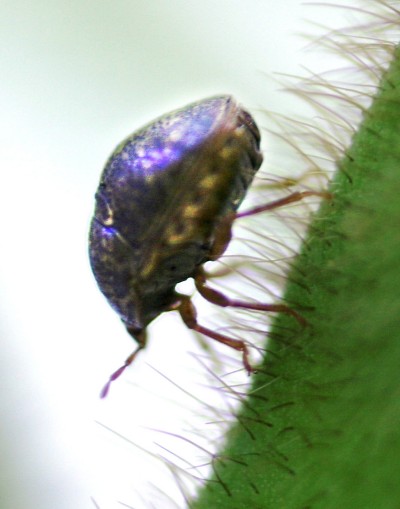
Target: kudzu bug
point(165, 205)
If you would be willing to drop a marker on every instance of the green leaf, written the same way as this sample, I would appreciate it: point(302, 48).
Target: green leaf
point(321, 427)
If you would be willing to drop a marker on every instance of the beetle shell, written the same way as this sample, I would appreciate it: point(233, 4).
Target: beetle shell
point(162, 195)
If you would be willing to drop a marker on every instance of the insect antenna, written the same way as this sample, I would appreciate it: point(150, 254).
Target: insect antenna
point(119, 371)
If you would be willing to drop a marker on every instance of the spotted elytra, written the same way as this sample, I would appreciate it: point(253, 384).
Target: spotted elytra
point(165, 206)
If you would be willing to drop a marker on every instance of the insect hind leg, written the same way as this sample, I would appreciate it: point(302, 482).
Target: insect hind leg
point(291, 198)
point(223, 235)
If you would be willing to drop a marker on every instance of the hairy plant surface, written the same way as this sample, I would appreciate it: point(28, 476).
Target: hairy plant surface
point(321, 427)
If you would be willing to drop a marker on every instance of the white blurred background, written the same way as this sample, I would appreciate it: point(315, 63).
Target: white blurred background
point(76, 78)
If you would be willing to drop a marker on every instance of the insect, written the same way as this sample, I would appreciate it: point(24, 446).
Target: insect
point(165, 205)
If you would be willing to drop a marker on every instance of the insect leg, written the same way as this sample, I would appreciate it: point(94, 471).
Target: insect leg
point(189, 316)
point(218, 298)
point(141, 339)
point(291, 198)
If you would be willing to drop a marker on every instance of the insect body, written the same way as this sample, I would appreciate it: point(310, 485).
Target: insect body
point(165, 205)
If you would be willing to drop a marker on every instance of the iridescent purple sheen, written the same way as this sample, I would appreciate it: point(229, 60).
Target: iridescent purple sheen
point(165, 141)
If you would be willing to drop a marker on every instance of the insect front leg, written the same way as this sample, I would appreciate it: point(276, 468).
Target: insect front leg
point(189, 316)
point(218, 298)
